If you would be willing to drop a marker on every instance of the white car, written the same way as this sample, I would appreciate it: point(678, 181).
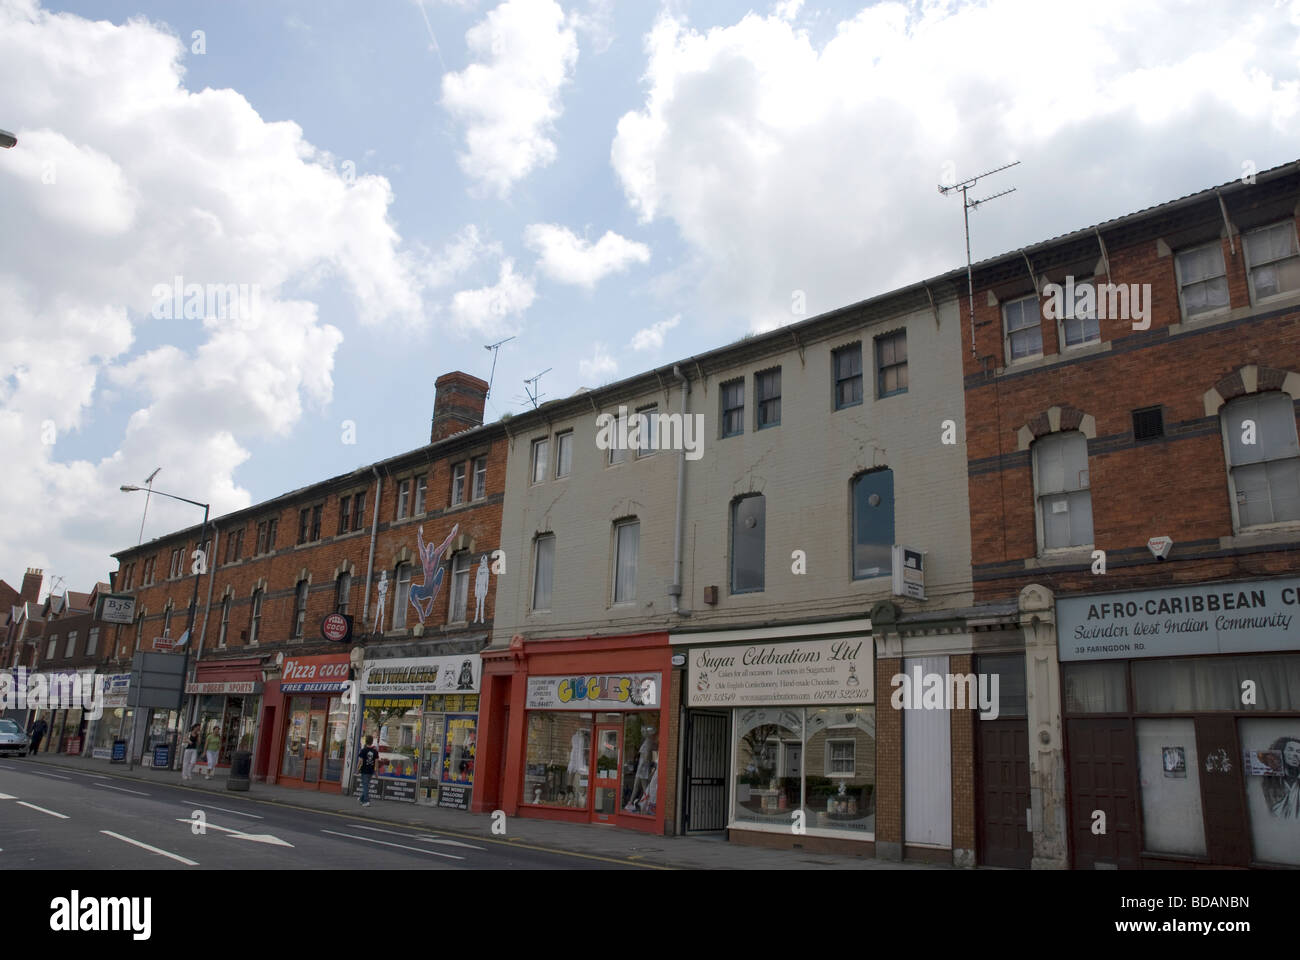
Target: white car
point(13, 739)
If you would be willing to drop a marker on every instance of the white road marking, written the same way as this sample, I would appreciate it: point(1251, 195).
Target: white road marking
point(109, 786)
point(96, 776)
point(56, 776)
point(61, 816)
point(400, 846)
point(417, 836)
point(145, 846)
point(208, 806)
point(240, 835)
point(5, 796)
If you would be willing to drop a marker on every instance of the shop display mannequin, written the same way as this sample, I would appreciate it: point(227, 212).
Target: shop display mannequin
point(579, 750)
point(646, 783)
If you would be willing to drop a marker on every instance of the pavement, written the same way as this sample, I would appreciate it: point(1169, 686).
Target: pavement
point(583, 845)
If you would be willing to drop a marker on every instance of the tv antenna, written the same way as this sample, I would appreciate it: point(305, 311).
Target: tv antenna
point(494, 347)
point(530, 384)
point(967, 206)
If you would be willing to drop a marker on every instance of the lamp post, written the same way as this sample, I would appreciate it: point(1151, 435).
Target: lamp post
point(7, 139)
point(194, 600)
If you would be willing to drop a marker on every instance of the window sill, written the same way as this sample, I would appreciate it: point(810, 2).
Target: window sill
point(1063, 557)
point(1279, 533)
point(1237, 313)
point(1279, 300)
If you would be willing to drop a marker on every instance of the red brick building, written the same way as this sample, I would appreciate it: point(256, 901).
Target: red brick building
point(1163, 717)
point(266, 676)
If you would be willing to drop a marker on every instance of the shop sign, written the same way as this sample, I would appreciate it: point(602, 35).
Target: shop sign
point(337, 627)
point(327, 674)
point(595, 691)
point(399, 790)
point(161, 755)
point(228, 687)
point(119, 752)
point(100, 753)
point(1245, 617)
point(454, 796)
point(117, 609)
point(459, 673)
point(115, 689)
point(793, 673)
point(909, 573)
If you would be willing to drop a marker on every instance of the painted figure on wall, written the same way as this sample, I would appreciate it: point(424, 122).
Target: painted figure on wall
point(1283, 792)
point(481, 578)
point(383, 592)
point(423, 596)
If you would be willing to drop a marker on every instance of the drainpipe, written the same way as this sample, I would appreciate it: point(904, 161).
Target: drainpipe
point(207, 610)
point(675, 591)
point(374, 532)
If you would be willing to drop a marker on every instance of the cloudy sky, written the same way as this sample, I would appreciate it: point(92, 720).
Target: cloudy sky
point(614, 185)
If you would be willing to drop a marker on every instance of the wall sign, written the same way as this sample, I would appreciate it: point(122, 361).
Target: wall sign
point(228, 687)
point(115, 689)
point(336, 627)
point(909, 573)
point(454, 796)
point(328, 674)
point(117, 609)
point(810, 672)
point(1246, 617)
point(599, 691)
point(458, 673)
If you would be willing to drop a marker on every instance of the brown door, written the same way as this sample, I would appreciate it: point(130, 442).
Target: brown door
point(1223, 794)
point(1102, 770)
point(1003, 793)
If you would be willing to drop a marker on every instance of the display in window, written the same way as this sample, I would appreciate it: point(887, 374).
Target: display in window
point(641, 765)
point(394, 722)
point(458, 758)
point(1272, 775)
point(557, 770)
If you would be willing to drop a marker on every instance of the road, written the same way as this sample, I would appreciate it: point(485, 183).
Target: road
point(59, 819)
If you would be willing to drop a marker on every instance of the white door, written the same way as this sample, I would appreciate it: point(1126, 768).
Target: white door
point(927, 763)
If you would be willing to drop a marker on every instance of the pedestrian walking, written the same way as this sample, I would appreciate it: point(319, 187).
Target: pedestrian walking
point(37, 733)
point(191, 752)
point(212, 745)
point(366, 760)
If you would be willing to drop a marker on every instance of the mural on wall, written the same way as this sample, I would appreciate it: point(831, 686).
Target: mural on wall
point(423, 596)
point(481, 579)
point(383, 592)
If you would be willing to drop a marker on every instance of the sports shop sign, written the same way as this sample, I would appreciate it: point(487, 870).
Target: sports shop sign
point(1246, 617)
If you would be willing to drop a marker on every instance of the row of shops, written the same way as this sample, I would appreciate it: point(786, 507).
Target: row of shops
point(1175, 712)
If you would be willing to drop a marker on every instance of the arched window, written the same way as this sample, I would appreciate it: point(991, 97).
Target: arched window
point(342, 593)
point(1263, 458)
point(543, 571)
point(873, 524)
point(1064, 499)
point(300, 608)
point(748, 543)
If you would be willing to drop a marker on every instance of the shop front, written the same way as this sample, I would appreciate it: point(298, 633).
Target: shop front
point(112, 724)
point(229, 696)
point(780, 737)
point(311, 747)
point(583, 730)
point(423, 715)
point(1182, 725)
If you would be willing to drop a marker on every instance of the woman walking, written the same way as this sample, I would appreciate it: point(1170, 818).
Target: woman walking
point(212, 745)
point(191, 752)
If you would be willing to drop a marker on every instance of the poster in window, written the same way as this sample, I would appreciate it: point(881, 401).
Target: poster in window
point(461, 746)
point(1272, 749)
point(1175, 762)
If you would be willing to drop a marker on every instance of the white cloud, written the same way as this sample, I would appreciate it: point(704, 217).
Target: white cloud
point(122, 180)
point(788, 166)
point(652, 337)
point(568, 258)
point(488, 310)
point(510, 99)
point(460, 253)
point(600, 366)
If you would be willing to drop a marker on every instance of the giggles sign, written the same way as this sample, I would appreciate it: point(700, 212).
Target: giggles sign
point(588, 692)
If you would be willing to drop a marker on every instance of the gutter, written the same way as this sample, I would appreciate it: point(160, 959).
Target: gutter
point(374, 532)
point(675, 591)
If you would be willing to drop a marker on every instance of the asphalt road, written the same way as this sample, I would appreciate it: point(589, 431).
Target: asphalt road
point(58, 819)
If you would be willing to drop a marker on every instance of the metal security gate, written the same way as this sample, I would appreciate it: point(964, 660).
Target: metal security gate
point(706, 772)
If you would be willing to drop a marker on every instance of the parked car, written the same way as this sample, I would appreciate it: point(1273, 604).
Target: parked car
point(13, 739)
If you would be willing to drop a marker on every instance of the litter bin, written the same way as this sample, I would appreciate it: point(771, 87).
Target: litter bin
point(240, 765)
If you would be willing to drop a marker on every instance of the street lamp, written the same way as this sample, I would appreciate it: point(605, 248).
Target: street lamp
point(7, 139)
point(194, 600)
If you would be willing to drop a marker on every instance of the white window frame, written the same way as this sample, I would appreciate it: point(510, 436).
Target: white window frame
point(854, 759)
point(478, 469)
point(92, 641)
point(460, 567)
point(1178, 278)
point(343, 593)
point(421, 495)
point(1043, 549)
point(167, 621)
point(1237, 525)
point(225, 620)
point(255, 617)
point(403, 498)
point(619, 529)
point(52, 648)
point(1007, 332)
point(617, 454)
point(563, 438)
point(1250, 267)
point(458, 483)
point(300, 592)
point(70, 648)
point(538, 455)
point(402, 593)
point(648, 444)
point(1067, 313)
point(537, 569)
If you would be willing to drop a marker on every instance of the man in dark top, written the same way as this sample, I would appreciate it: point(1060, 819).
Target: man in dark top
point(366, 759)
point(37, 733)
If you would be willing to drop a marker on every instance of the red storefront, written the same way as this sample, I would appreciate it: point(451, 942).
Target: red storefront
point(229, 694)
point(305, 723)
point(579, 730)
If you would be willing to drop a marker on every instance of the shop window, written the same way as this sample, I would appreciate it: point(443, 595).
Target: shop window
point(1064, 500)
point(846, 364)
point(1202, 280)
point(557, 768)
point(1263, 459)
point(343, 593)
point(1271, 750)
point(640, 764)
point(891, 364)
point(300, 608)
point(480, 478)
point(873, 524)
point(543, 571)
point(540, 454)
point(627, 542)
point(819, 760)
point(767, 399)
point(459, 586)
point(1168, 770)
point(1197, 684)
point(564, 454)
point(1095, 687)
point(1024, 329)
point(401, 595)
point(733, 408)
point(1273, 258)
point(395, 723)
point(748, 543)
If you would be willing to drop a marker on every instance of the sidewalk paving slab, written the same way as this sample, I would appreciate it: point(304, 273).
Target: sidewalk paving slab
point(708, 852)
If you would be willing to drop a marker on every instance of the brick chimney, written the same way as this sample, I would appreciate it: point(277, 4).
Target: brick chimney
point(32, 581)
point(458, 400)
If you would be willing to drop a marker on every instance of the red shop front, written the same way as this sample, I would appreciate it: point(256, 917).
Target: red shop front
point(579, 730)
point(308, 742)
